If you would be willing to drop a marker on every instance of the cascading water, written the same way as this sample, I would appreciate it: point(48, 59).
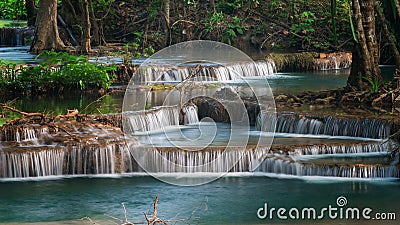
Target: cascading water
point(205, 73)
point(209, 160)
point(37, 151)
point(334, 62)
point(28, 133)
point(151, 120)
point(190, 114)
point(86, 160)
point(157, 119)
point(66, 160)
point(326, 125)
point(285, 166)
point(344, 149)
point(15, 36)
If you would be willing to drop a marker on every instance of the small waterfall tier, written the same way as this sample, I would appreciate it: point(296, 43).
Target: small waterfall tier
point(159, 118)
point(157, 73)
point(15, 36)
point(151, 120)
point(63, 148)
point(333, 61)
point(208, 160)
point(78, 159)
point(117, 157)
point(353, 148)
point(279, 165)
point(23, 133)
point(326, 125)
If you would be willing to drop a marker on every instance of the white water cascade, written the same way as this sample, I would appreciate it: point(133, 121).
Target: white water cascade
point(358, 148)
point(326, 125)
point(38, 151)
point(66, 160)
point(116, 158)
point(157, 119)
point(28, 133)
point(228, 72)
point(209, 160)
point(190, 114)
point(151, 120)
point(285, 166)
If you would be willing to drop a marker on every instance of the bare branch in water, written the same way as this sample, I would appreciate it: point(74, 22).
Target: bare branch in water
point(153, 219)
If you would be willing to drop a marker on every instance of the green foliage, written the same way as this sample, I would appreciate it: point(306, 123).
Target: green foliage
point(213, 22)
point(12, 9)
point(375, 84)
point(231, 6)
point(57, 70)
point(351, 23)
point(234, 28)
point(229, 26)
point(136, 49)
point(308, 20)
point(305, 25)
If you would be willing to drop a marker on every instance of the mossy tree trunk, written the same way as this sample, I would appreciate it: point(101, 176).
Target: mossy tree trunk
point(46, 28)
point(365, 68)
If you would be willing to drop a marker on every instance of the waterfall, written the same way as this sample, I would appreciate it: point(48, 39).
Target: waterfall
point(332, 61)
point(191, 115)
point(210, 160)
point(10, 36)
point(152, 120)
point(282, 166)
point(83, 159)
point(158, 118)
point(66, 160)
point(155, 73)
point(344, 149)
point(22, 133)
point(326, 125)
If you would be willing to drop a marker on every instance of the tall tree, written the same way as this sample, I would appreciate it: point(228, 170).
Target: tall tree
point(167, 9)
point(85, 39)
point(391, 20)
point(366, 54)
point(46, 28)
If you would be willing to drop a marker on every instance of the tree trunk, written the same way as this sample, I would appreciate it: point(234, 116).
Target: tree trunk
point(388, 36)
point(366, 54)
point(46, 29)
point(85, 39)
point(392, 15)
point(167, 8)
point(96, 40)
point(30, 12)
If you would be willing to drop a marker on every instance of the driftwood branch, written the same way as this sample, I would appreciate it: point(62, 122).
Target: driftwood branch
point(153, 219)
point(4, 106)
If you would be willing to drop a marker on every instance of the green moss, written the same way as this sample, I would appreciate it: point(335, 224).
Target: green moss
point(293, 61)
